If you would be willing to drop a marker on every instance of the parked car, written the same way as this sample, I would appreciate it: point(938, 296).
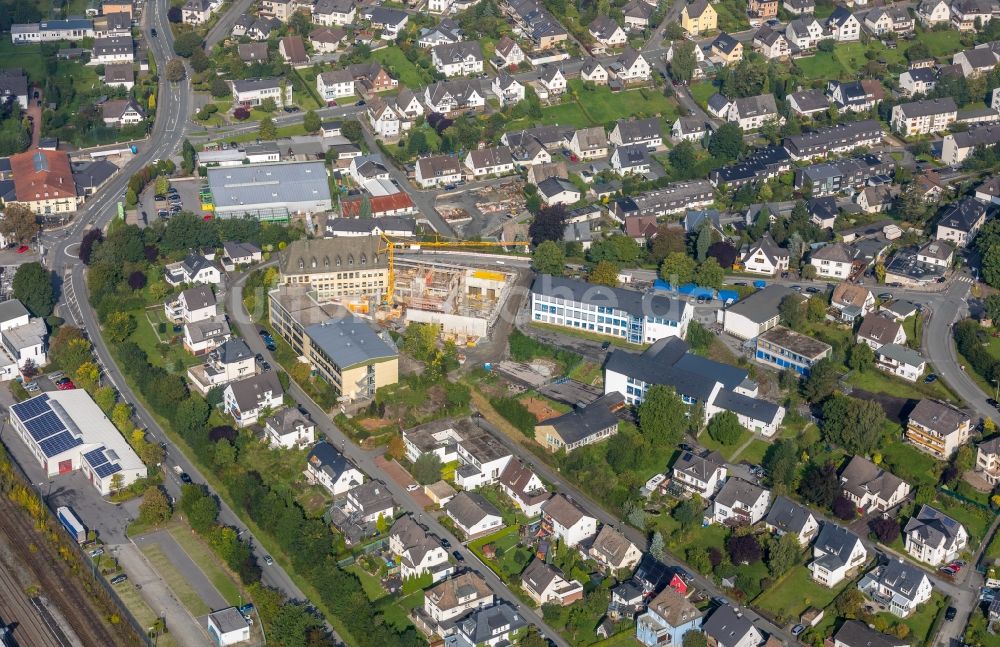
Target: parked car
point(265, 367)
point(268, 560)
point(66, 386)
point(22, 249)
point(885, 296)
point(412, 487)
point(458, 556)
point(445, 543)
point(950, 614)
point(97, 552)
point(152, 32)
point(118, 579)
point(605, 345)
point(812, 289)
point(258, 357)
point(186, 478)
point(797, 629)
point(930, 378)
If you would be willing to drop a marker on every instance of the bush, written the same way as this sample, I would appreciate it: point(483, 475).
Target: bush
point(516, 414)
point(525, 349)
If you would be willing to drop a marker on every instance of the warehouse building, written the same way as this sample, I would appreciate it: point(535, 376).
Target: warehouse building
point(67, 431)
point(271, 192)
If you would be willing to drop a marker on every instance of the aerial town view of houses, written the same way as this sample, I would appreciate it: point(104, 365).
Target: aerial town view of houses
point(498, 323)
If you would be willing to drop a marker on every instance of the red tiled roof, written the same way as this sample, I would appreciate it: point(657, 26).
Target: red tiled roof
point(41, 175)
point(351, 207)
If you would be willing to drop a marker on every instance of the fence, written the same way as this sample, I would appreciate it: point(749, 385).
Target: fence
point(126, 613)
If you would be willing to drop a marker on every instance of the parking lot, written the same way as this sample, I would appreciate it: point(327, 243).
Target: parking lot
point(186, 190)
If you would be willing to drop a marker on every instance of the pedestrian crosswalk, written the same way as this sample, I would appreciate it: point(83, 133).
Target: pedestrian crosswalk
point(965, 279)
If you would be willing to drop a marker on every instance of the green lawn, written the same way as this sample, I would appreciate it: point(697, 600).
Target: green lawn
point(202, 555)
point(588, 373)
point(400, 67)
point(877, 381)
point(921, 621)
point(26, 57)
point(371, 584)
point(796, 592)
point(605, 106)
point(713, 536)
point(147, 337)
point(701, 92)
point(177, 582)
point(976, 520)
point(940, 43)
point(565, 114)
point(910, 464)
point(754, 453)
point(586, 334)
point(728, 451)
point(843, 62)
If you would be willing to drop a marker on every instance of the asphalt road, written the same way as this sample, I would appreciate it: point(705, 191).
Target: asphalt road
point(365, 461)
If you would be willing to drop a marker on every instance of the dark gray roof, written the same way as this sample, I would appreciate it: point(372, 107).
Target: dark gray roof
point(638, 130)
point(836, 544)
point(879, 328)
point(901, 578)
point(788, 516)
point(458, 52)
point(932, 527)
point(469, 508)
point(763, 304)
point(901, 354)
point(350, 340)
point(810, 100)
point(194, 263)
point(668, 362)
point(795, 341)
point(856, 634)
point(11, 309)
point(753, 408)
point(288, 421)
point(211, 328)
point(725, 43)
point(633, 302)
point(727, 625)
point(233, 350)
point(928, 107)
point(250, 391)
point(323, 457)
point(736, 491)
point(372, 496)
point(228, 619)
point(331, 255)
point(862, 476)
point(963, 215)
point(762, 104)
point(700, 467)
point(942, 418)
point(198, 297)
point(583, 422)
point(482, 625)
point(922, 74)
point(717, 102)
point(236, 249)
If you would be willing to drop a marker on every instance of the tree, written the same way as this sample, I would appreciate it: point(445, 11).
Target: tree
point(724, 253)
point(844, 508)
point(683, 62)
point(18, 224)
point(604, 273)
point(199, 60)
point(186, 43)
point(155, 508)
point(699, 337)
point(781, 461)
point(657, 548)
point(669, 238)
point(33, 287)
point(87, 376)
point(175, 15)
point(268, 105)
point(784, 554)
point(241, 114)
point(420, 340)
point(852, 423)
point(119, 326)
point(743, 549)
point(427, 469)
point(224, 454)
point(683, 157)
point(175, 70)
point(819, 484)
point(816, 308)
point(548, 224)
point(200, 508)
point(417, 143)
point(710, 274)
point(792, 314)
point(821, 382)
point(267, 130)
point(849, 602)
point(965, 459)
point(809, 272)
point(861, 357)
point(68, 348)
point(689, 512)
point(352, 130)
point(105, 398)
point(137, 280)
point(726, 143)
point(704, 241)
point(548, 258)
point(662, 416)
point(219, 88)
point(677, 268)
point(725, 428)
point(887, 530)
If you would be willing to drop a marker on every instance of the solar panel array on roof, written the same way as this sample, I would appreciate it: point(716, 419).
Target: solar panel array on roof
point(47, 429)
point(107, 469)
point(40, 161)
point(31, 408)
point(59, 443)
point(96, 457)
point(45, 425)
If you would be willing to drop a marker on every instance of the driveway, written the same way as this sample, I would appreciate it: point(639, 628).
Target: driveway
point(396, 472)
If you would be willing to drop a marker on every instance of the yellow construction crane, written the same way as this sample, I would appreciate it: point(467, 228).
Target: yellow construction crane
point(389, 248)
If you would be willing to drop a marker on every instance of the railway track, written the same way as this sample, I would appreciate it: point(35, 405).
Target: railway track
point(57, 583)
point(16, 608)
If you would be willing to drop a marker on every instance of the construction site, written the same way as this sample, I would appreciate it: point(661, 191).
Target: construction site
point(464, 301)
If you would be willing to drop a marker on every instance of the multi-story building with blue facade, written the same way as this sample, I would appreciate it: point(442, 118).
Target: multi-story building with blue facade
point(782, 348)
point(669, 616)
point(636, 317)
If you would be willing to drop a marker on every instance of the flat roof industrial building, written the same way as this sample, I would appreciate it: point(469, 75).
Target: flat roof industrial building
point(270, 191)
point(66, 431)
